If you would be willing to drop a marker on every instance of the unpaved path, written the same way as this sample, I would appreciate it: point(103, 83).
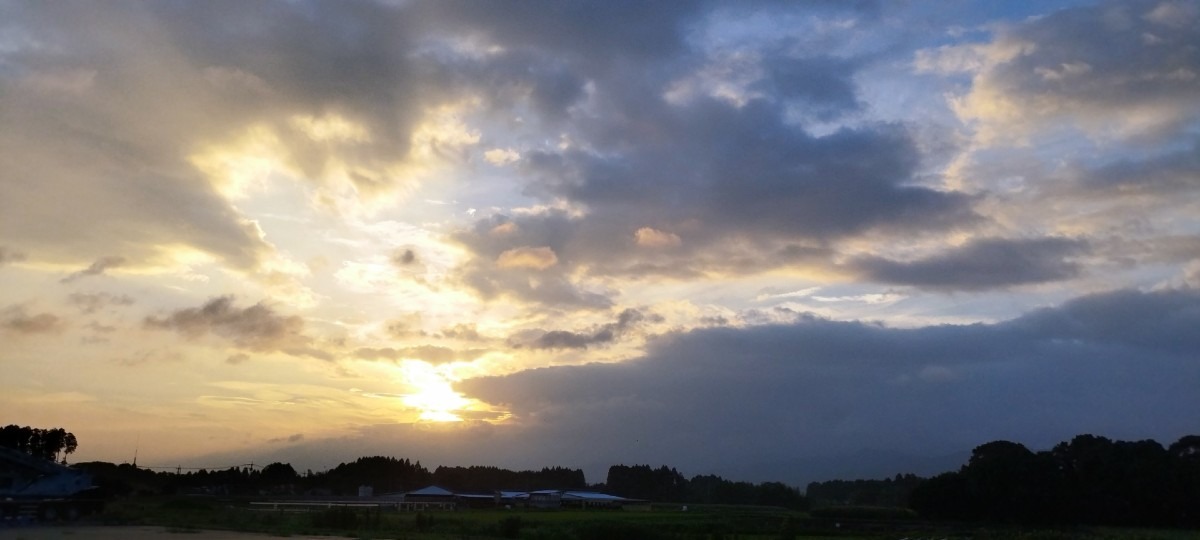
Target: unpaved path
point(96, 532)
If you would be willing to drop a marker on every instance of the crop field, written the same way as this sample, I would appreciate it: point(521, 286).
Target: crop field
point(184, 518)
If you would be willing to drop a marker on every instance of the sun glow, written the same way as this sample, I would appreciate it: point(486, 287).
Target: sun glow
point(434, 397)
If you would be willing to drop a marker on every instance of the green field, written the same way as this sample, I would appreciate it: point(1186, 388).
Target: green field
point(666, 522)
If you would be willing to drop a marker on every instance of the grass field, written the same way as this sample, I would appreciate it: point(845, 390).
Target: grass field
point(666, 522)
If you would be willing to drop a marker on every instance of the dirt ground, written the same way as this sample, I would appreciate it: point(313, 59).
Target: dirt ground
point(89, 532)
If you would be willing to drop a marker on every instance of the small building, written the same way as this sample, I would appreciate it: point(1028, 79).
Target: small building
point(590, 499)
point(544, 499)
point(510, 499)
point(429, 498)
point(475, 500)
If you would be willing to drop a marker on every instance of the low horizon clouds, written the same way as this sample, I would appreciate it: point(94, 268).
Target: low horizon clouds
point(778, 402)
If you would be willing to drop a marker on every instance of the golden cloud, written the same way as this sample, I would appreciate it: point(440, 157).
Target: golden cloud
point(537, 258)
point(654, 238)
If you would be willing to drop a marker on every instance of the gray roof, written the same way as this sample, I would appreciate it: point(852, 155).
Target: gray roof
point(431, 491)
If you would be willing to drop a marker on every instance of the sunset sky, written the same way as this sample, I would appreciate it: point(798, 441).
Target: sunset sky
point(766, 240)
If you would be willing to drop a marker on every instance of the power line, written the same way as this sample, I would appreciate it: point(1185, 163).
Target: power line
point(178, 468)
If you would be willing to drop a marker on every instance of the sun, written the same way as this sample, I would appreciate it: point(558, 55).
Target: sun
point(437, 403)
point(434, 396)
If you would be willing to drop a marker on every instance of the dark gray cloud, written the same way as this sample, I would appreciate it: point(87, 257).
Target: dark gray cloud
point(702, 183)
point(317, 57)
point(96, 268)
point(627, 320)
point(727, 171)
point(822, 87)
point(256, 327)
point(1121, 364)
point(16, 320)
point(986, 263)
point(404, 258)
point(1164, 175)
point(713, 187)
point(594, 33)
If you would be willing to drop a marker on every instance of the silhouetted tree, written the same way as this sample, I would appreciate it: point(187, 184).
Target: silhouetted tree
point(1185, 487)
point(887, 492)
point(643, 482)
point(385, 474)
point(944, 496)
point(277, 476)
point(1088, 480)
point(43, 443)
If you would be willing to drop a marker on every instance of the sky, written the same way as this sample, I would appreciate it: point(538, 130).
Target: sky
point(767, 240)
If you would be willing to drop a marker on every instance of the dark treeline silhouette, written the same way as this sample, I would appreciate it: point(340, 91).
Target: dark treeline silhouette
point(886, 492)
point(388, 474)
point(382, 474)
point(481, 479)
point(1089, 480)
point(667, 485)
point(47, 444)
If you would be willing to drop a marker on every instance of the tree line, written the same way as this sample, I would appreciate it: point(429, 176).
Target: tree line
point(383, 474)
point(666, 484)
point(1088, 480)
point(892, 492)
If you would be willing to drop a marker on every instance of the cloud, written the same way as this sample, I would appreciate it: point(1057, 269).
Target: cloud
point(432, 354)
point(760, 401)
point(1109, 69)
point(653, 238)
point(404, 258)
point(404, 326)
point(597, 34)
point(461, 331)
point(95, 269)
point(535, 258)
point(627, 320)
point(291, 439)
point(323, 92)
point(15, 320)
point(502, 263)
point(748, 191)
point(1160, 176)
point(257, 327)
point(985, 263)
point(9, 256)
point(684, 158)
point(93, 302)
point(501, 156)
